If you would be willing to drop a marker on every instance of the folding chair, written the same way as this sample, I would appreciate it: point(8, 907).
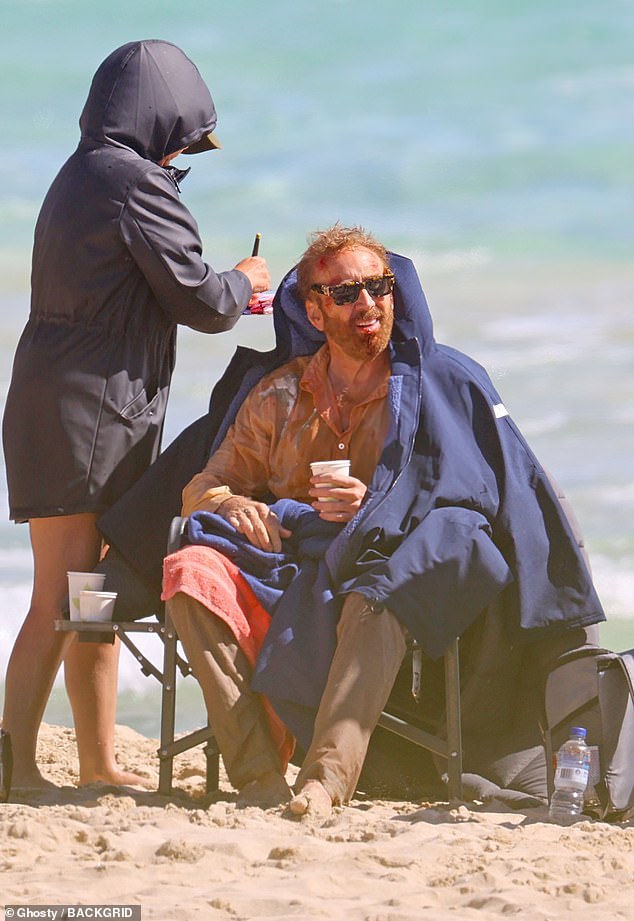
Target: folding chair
point(449, 748)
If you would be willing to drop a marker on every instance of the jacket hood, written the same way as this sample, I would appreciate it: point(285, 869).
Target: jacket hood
point(150, 97)
point(295, 334)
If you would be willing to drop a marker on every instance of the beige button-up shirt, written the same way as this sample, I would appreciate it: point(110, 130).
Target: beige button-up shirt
point(288, 420)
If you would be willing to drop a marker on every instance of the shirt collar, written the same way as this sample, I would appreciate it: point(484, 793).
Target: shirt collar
point(315, 378)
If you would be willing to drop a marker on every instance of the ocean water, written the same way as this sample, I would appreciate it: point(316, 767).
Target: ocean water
point(493, 143)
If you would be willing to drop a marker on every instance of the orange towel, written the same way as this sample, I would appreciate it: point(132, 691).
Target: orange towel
point(217, 583)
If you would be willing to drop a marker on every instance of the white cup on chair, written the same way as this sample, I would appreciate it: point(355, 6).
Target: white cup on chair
point(96, 606)
point(82, 581)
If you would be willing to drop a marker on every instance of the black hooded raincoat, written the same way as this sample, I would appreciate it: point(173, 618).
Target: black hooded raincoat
point(117, 264)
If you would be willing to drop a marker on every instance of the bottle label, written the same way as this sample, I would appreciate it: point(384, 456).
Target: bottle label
point(570, 774)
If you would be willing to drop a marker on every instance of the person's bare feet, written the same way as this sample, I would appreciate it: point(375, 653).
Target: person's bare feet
point(312, 801)
point(268, 790)
point(30, 780)
point(115, 778)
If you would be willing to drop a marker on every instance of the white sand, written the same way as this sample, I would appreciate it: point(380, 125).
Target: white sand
point(190, 856)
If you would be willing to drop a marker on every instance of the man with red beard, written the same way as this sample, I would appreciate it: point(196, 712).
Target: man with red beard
point(295, 593)
point(325, 406)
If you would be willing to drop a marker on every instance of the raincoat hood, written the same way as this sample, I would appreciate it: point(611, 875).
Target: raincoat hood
point(150, 97)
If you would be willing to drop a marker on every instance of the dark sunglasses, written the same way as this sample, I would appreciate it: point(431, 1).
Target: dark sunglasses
point(349, 291)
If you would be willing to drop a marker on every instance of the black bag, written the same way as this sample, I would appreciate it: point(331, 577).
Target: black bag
point(6, 765)
point(594, 688)
point(615, 788)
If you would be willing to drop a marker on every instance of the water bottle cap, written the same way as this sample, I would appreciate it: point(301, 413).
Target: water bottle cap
point(578, 731)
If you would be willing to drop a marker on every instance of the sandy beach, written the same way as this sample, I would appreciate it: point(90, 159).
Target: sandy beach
point(194, 856)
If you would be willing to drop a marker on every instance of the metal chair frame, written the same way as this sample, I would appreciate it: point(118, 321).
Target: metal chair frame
point(169, 746)
point(449, 748)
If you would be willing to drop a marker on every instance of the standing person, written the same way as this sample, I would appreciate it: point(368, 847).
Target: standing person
point(117, 264)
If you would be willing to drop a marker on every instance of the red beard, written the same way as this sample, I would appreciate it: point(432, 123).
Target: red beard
point(353, 339)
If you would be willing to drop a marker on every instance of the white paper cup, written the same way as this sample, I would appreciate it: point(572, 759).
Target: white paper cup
point(335, 466)
point(96, 605)
point(82, 581)
point(341, 467)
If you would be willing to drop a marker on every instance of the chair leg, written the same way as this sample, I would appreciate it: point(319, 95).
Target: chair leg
point(449, 749)
point(168, 708)
point(454, 727)
point(169, 748)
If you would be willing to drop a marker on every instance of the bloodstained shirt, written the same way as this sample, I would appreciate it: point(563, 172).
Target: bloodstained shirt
point(289, 419)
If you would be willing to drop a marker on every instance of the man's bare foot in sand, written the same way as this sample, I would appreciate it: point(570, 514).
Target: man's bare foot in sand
point(313, 801)
point(268, 790)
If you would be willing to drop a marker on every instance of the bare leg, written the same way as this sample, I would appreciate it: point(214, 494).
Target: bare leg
point(59, 544)
point(91, 671)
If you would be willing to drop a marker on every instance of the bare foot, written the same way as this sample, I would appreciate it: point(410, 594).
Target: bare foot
point(313, 800)
point(268, 790)
point(30, 780)
point(116, 778)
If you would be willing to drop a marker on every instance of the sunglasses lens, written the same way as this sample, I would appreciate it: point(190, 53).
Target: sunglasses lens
point(346, 293)
point(375, 287)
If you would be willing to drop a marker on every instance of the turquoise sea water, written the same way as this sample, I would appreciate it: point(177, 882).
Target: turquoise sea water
point(491, 142)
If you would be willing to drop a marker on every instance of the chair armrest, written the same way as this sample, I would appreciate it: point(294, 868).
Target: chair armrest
point(175, 536)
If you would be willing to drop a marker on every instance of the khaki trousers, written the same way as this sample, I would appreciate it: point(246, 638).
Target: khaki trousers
point(235, 711)
point(370, 648)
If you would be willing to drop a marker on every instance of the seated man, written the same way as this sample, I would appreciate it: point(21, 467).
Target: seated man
point(445, 513)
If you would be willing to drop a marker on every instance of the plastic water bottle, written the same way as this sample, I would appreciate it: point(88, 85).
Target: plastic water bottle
point(571, 778)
